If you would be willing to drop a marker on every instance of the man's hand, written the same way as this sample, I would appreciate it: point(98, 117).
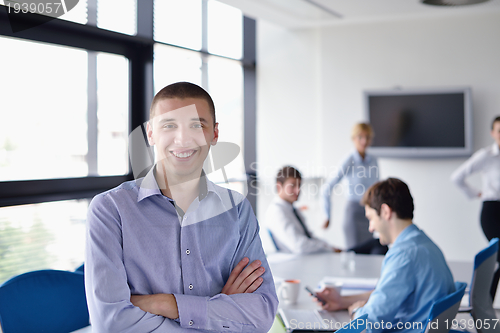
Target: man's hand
point(355, 306)
point(159, 304)
point(331, 297)
point(326, 224)
point(244, 280)
point(335, 302)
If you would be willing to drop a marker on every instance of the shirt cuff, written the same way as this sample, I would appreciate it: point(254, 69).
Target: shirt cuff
point(358, 312)
point(192, 310)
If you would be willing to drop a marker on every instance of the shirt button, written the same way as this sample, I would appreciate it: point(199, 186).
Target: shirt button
point(191, 287)
point(191, 323)
point(187, 251)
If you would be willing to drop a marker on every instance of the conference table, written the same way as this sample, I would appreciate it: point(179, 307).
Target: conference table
point(311, 269)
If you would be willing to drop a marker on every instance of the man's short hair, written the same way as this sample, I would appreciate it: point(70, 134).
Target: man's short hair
point(287, 172)
point(394, 193)
point(182, 90)
point(494, 121)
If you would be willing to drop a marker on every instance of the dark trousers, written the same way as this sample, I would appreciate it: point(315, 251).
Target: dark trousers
point(371, 246)
point(490, 222)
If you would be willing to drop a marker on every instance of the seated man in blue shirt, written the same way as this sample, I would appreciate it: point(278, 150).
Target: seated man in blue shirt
point(167, 252)
point(414, 272)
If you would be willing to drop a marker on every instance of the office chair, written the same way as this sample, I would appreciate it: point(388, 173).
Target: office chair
point(43, 301)
point(480, 301)
point(444, 310)
point(356, 325)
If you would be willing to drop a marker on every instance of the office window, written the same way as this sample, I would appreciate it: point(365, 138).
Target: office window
point(44, 120)
point(172, 64)
point(225, 84)
point(119, 16)
point(112, 114)
point(43, 126)
point(71, 93)
point(178, 22)
point(42, 236)
point(224, 30)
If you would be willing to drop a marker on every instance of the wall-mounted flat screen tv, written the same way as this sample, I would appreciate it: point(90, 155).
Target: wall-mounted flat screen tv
point(420, 123)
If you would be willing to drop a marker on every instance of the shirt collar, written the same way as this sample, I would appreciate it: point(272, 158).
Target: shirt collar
point(149, 186)
point(496, 149)
point(357, 157)
point(281, 201)
point(405, 233)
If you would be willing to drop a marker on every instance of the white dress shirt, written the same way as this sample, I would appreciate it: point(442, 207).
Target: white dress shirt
point(287, 231)
point(486, 161)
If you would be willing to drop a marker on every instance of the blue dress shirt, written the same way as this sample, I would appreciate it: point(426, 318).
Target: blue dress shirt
point(360, 175)
point(137, 243)
point(414, 275)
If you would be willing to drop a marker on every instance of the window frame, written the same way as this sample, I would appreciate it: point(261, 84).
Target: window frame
point(138, 49)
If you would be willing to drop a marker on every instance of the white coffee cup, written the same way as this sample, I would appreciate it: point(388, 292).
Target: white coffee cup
point(289, 291)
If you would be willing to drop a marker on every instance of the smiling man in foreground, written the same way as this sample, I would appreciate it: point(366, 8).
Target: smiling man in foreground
point(171, 251)
point(414, 272)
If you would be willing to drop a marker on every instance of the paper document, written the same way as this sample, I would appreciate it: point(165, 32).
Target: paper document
point(351, 285)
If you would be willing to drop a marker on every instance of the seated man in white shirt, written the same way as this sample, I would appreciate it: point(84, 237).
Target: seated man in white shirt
point(286, 223)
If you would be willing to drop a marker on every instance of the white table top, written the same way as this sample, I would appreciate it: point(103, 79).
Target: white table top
point(310, 269)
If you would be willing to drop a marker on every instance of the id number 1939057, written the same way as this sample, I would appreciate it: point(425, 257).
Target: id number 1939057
point(54, 8)
point(471, 323)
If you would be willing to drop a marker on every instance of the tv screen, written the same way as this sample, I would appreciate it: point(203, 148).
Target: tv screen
point(418, 123)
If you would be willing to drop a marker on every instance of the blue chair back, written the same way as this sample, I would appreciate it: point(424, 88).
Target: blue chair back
point(44, 301)
point(479, 295)
point(356, 325)
point(486, 253)
point(80, 268)
point(444, 310)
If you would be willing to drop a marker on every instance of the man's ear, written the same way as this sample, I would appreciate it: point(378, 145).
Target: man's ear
point(216, 135)
point(385, 212)
point(149, 133)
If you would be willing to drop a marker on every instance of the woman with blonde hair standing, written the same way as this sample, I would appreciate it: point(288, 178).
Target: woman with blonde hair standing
point(361, 171)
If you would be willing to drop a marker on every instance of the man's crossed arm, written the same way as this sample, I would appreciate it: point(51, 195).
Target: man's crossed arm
point(241, 280)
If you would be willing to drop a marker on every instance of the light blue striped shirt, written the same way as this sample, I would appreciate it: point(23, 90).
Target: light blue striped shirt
point(360, 175)
point(138, 244)
point(414, 275)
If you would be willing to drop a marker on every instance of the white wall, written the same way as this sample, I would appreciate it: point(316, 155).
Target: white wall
point(310, 85)
point(288, 97)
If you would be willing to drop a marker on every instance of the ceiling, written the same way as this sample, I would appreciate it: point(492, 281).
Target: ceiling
point(309, 13)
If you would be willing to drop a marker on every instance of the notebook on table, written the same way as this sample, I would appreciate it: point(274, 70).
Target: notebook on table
point(308, 320)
